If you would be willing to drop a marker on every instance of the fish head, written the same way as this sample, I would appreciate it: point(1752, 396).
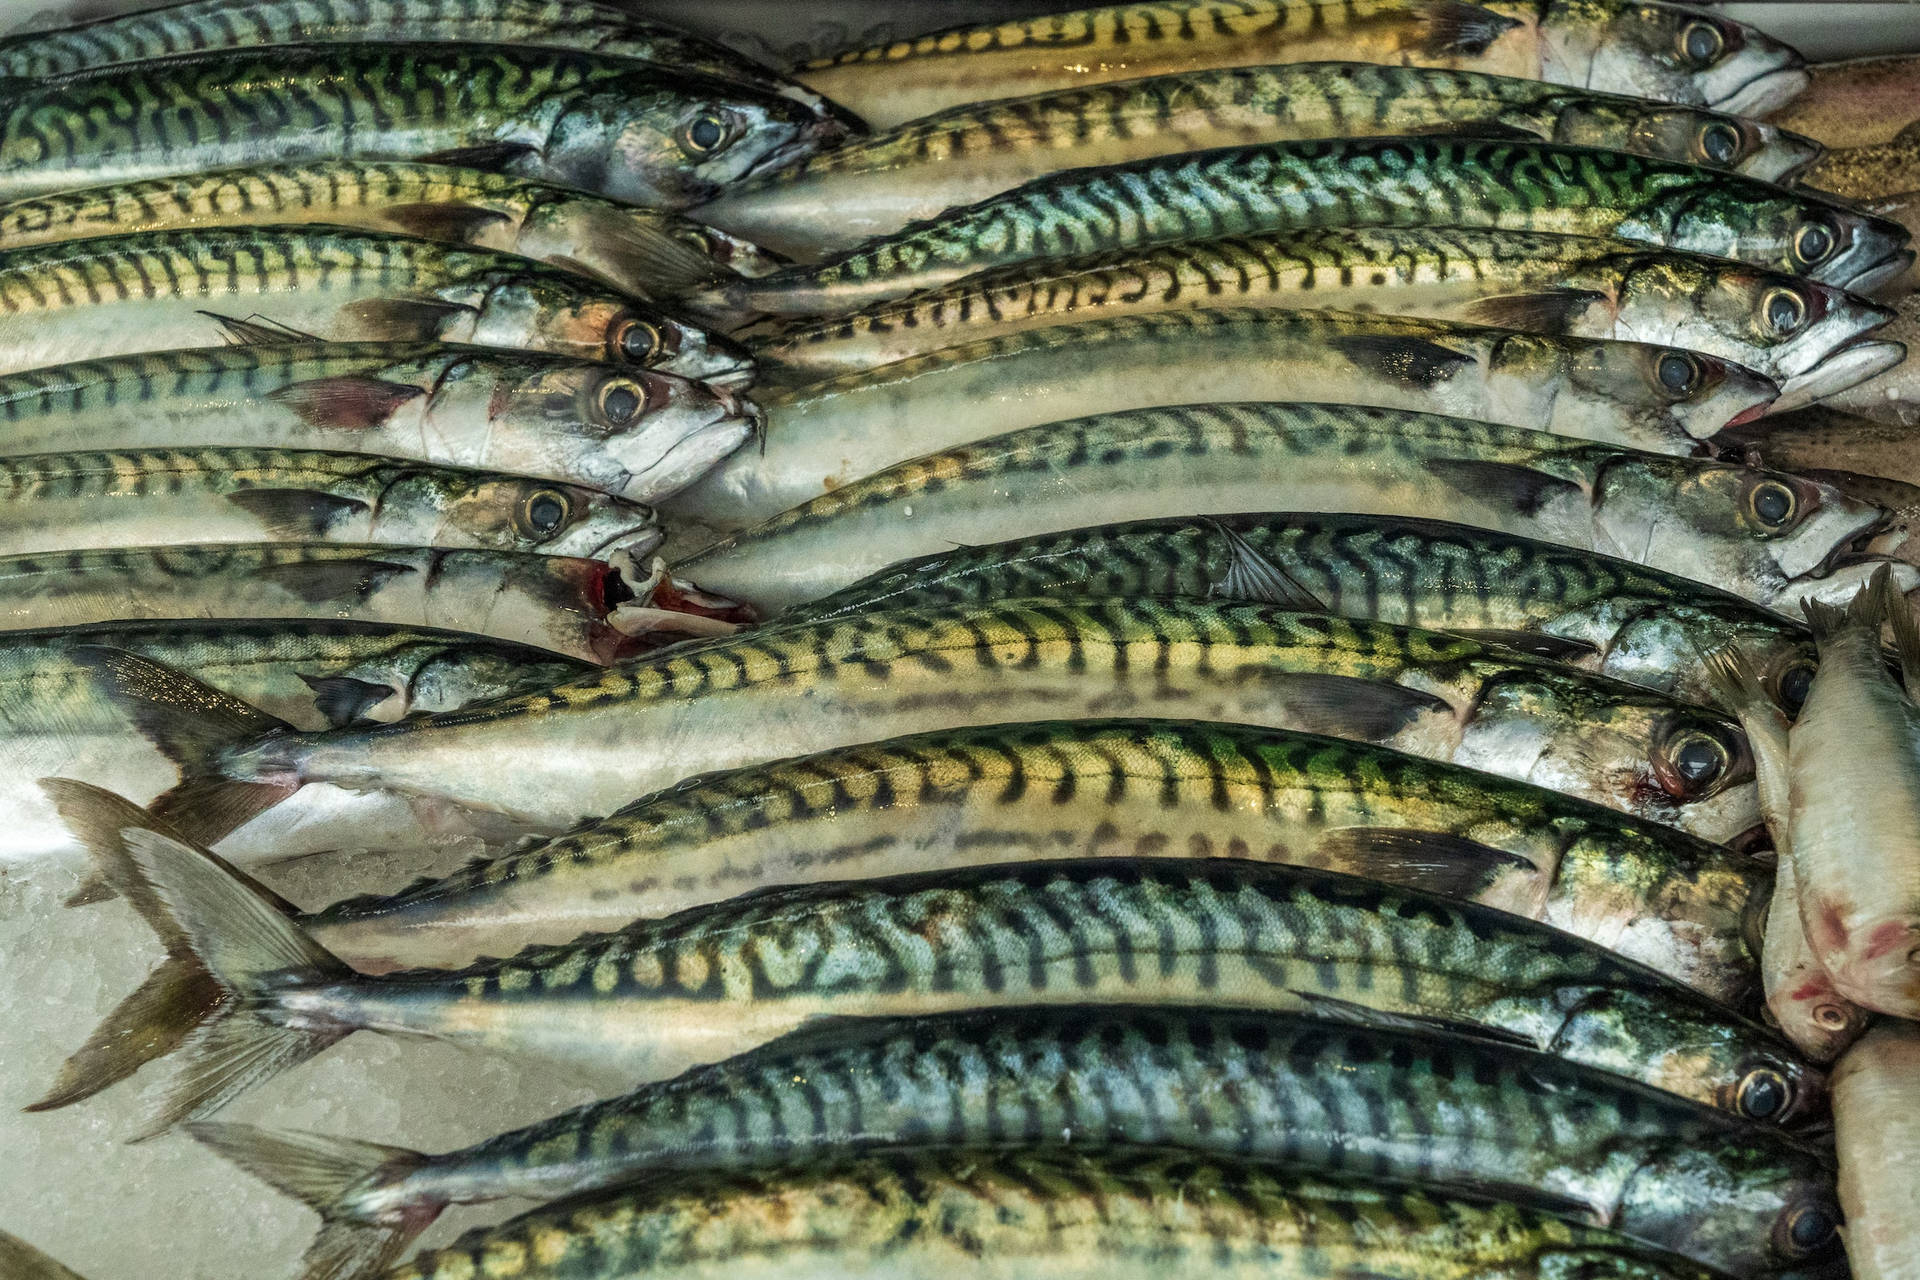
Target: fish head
point(513, 513)
point(1661, 649)
point(1666, 397)
point(453, 676)
point(1712, 139)
point(1749, 1202)
point(552, 312)
point(673, 141)
point(1784, 230)
point(1676, 54)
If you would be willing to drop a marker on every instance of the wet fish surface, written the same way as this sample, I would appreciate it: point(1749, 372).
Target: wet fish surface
point(1874, 1135)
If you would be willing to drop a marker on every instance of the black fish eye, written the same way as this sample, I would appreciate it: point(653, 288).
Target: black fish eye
point(705, 134)
point(1793, 684)
point(1679, 373)
point(1698, 760)
point(1763, 1094)
point(544, 511)
point(1813, 243)
point(636, 341)
point(621, 402)
point(1809, 1229)
point(1786, 311)
point(1719, 142)
point(1772, 503)
point(1701, 43)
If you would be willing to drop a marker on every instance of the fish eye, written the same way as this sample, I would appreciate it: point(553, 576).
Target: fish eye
point(705, 134)
point(1763, 1094)
point(544, 512)
point(637, 342)
point(1814, 242)
point(621, 400)
point(1679, 373)
point(1719, 142)
point(1772, 504)
point(1701, 43)
point(1697, 762)
point(1804, 1230)
point(1792, 683)
point(1785, 311)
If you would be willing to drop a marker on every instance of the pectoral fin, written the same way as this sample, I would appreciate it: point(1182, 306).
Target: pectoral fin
point(297, 515)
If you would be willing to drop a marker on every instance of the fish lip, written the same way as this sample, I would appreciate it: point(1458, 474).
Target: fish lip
point(1752, 413)
point(1756, 95)
point(640, 539)
point(1855, 363)
point(1882, 271)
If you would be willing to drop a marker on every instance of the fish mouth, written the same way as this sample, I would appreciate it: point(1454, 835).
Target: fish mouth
point(1795, 152)
point(819, 134)
point(1839, 581)
point(1883, 271)
point(1848, 367)
point(1752, 413)
point(1769, 89)
point(639, 540)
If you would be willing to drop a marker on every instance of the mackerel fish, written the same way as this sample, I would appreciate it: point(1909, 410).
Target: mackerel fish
point(1802, 335)
point(662, 996)
point(1010, 794)
point(1646, 50)
point(79, 501)
point(610, 126)
point(1765, 535)
point(1359, 182)
point(1874, 1135)
point(586, 747)
point(645, 253)
point(560, 604)
point(1603, 615)
point(202, 25)
point(833, 432)
point(1315, 1094)
point(122, 295)
point(637, 433)
point(877, 185)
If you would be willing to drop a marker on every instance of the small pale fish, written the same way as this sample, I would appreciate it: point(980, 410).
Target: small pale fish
point(661, 996)
point(876, 186)
point(556, 603)
point(1858, 102)
point(1877, 1101)
point(1758, 534)
point(612, 126)
point(1594, 612)
point(1360, 182)
point(52, 502)
point(1855, 813)
point(1660, 51)
point(1008, 794)
point(1804, 336)
point(586, 747)
point(831, 433)
point(157, 291)
point(637, 433)
point(201, 25)
point(646, 253)
point(1309, 1093)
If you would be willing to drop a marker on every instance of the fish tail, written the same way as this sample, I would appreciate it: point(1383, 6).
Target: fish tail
point(194, 726)
point(1906, 633)
point(1736, 683)
point(725, 304)
point(1863, 615)
point(328, 1175)
point(21, 1261)
point(229, 946)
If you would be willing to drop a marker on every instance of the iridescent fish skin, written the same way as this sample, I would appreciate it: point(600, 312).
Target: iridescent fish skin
point(1648, 50)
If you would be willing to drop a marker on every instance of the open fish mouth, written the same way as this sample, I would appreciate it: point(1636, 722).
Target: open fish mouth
point(1848, 367)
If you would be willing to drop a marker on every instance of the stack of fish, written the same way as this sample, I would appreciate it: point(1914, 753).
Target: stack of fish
point(1227, 637)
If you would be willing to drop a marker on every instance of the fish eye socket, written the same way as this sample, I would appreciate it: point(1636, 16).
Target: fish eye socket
point(1792, 685)
point(1772, 504)
point(1701, 43)
point(1719, 142)
point(637, 342)
point(1679, 373)
point(1698, 760)
point(1814, 243)
point(1785, 311)
point(621, 401)
point(705, 134)
point(544, 512)
point(1763, 1094)
point(1805, 1229)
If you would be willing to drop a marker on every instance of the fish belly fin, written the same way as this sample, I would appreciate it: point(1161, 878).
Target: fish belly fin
point(1549, 311)
point(230, 947)
point(448, 221)
point(1348, 706)
point(402, 319)
point(1433, 861)
point(193, 725)
point(1538, 643)
point(1524, 489)
point(324, 1173)
point(1419, 363)
point(1252, 576)
point(345, 403)
point(297, 515)
point(1865, 613)
point(21, 1261)
point(1454, 27)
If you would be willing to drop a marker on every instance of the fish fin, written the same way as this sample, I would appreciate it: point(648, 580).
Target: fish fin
point(258, 331)
point(727, 304)
point(319, 581)
point(145, 1027)
point(1414, 362)
point(401, 319)
point(1385, 1020)
point(297, 515)
point(1454, 27)
point(21, 1261)
point(345, 701)
point(1347, 706)
point(322, 1172)
point(1538, 643)
point(345, 403)
point(1866, 612)
point(191, 724)
point(1252, 576)
point(1525, 489)
point(1432, 861)
point(1906, 632)
point(1550, 311)
point(491, 156)
point(641, 252)
point(1736, 684)
point(445, 220)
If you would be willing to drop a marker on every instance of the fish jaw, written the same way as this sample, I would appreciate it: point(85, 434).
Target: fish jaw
point(1844, 369)
point(1841, 584)
point(1767, 93)
point(1782, 156)
point(699, 430)
point(1866, 267)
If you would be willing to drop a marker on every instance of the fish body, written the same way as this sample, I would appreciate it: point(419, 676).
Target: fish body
point(1875, 1138)
point(1709, 520)
point(875, 186)
point(646, 253)
point(1358, 182)
point(611, 126)
point(1799, 334)
point(101, 500)
point(831, 433)
point(1659, 51)
point(128, 294)
point(633, 432)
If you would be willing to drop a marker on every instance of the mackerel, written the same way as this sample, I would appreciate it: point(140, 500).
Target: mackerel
point(586, 747)
point(1009, 794)
point(1764, 535)
point(611, 126)
point(127, 294)
point(636, 433)
point(1800, 334)
point(1827, 439)
point(1662, 51)
point(1309, 1093)
point(1360, 182)
point(877, 185)
point(641, 252)
point(82, 501)
point(834, 432)
point(662, 996)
